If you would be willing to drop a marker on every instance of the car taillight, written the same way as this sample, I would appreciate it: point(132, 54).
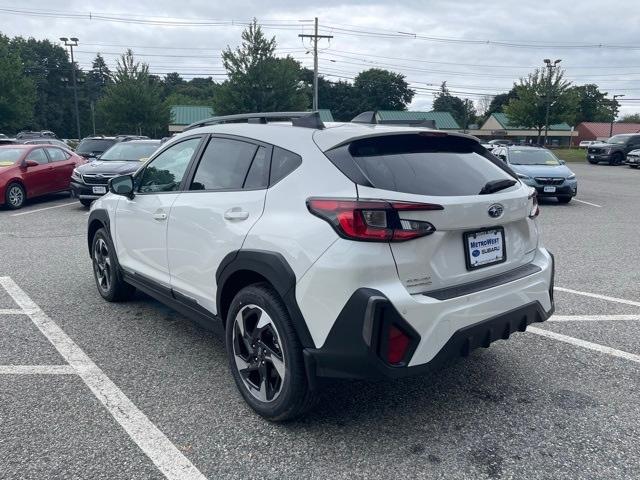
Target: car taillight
point(372, 220)
point(397, 346)
point(535, 210)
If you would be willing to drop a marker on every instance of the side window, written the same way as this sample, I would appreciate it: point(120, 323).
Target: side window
point(283, 163)
point(37, 155)
point(165, 172)
point(56, 155)
point(224, 165)
point(258, 176)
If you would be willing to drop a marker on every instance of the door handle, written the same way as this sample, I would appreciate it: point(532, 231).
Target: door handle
point(236, 214)
point(160, 216)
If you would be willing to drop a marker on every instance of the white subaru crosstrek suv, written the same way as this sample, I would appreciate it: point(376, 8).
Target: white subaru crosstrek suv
point(345, 250)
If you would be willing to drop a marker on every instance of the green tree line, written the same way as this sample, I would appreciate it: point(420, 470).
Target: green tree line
point(36, 91)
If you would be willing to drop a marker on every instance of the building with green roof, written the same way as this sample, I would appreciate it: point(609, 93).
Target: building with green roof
point(442, 120)
point(183, 115)
point(498, 126)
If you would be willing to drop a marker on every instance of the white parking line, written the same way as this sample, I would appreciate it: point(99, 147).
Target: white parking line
point(584, 344)
point(164, 454)
point(588, 203)
point(592, 318)
point(43, 209)
point(597, 295)
point(37, 370)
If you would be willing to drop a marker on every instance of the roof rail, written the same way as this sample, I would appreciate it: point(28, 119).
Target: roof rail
point(371, 118)
point(298, 119)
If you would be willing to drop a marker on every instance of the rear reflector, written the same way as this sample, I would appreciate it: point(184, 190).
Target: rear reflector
point(372, 220)
point(398, 345)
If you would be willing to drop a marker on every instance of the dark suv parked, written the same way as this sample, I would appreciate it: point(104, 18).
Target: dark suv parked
point(615, 150)
point(93, 147)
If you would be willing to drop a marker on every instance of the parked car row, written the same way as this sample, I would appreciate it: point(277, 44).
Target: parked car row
point(29, 170)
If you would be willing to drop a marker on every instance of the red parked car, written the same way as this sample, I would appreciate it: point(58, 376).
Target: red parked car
point(27, 171)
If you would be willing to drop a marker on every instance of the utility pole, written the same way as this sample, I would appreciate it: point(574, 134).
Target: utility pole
point(73, 42)
point(315, 37)
point(614, 110)
point(550, 68)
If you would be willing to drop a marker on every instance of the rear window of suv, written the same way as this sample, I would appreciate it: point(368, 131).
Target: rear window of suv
point(91, 145)
point(419, 164)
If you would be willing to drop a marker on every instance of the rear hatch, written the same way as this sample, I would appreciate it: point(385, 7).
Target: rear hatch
point(476, 235)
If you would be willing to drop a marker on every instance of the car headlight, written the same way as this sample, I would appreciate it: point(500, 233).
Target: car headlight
point(571, 177)
point(76, 175)
point(523, 176)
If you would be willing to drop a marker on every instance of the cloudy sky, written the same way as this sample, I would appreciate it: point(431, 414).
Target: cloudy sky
point(479, 48)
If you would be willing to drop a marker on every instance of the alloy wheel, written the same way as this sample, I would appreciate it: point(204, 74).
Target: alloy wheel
point(102, 263)
point(258, 353)
point(16, 196)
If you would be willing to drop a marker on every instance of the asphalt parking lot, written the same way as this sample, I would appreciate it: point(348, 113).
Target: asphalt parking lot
point(96, 390)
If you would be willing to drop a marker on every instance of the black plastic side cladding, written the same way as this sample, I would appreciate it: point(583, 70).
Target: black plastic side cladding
point(98, 215)
point(273, 267)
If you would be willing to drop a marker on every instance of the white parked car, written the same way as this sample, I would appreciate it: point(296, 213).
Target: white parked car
point(633, 158)
point(338, 250)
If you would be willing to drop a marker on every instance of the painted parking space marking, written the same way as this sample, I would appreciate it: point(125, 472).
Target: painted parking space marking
point(585, 344)
point(599, 296)
point(588, 203)
point(164, 454)
point(37, 370)
point(593, 318)
point(11, 311)
point(43, 209)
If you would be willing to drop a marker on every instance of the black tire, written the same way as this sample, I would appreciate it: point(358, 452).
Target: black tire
point(564, 199)
point(293, 396)
point(106, 270)
point(14, 196)
point(633, 166)
point(593, 162)
point(86, 203)
point(616, 159)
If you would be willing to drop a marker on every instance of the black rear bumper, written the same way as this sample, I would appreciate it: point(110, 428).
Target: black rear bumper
point(353, 348)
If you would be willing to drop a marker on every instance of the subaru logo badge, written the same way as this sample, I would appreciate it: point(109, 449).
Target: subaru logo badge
point(495, 210)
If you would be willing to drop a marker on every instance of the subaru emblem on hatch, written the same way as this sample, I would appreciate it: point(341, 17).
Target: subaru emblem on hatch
point(495, 210)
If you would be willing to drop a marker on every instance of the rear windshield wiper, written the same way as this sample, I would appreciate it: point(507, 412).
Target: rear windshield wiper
point(497, 185)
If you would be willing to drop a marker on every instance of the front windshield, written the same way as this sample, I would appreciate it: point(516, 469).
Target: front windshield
point(9, 156)
point(91, 145)
point(130, 151)
point(618, 139)
point(532, 157)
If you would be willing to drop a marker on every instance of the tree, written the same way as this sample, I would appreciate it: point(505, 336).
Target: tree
point(379, 89)
point(258, 81)
point(98, 78)
point(17, 92)
point(462, 111)
point(593, 105)
point(49, 68)
point(630, 118)
point(132, 103)
point(537, 91)
point(170, 84)
point(500, 100)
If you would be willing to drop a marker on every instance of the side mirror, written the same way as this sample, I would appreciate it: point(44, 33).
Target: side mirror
point(30, 163)
point(562, 162)
point(122, 185)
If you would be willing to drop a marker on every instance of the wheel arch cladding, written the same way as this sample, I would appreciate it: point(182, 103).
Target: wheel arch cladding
point(245, 267)
point(97, 219)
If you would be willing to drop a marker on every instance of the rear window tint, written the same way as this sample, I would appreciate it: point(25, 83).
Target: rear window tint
point(283, 162)
point(423, 165)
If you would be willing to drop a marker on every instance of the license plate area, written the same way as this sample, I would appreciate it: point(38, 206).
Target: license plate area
point(549, 189)
point(484, 247)
point(99, 190)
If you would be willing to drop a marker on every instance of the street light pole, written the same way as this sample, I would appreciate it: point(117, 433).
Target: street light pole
point(73, 42)
point(613, 114)
point(550, 68)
